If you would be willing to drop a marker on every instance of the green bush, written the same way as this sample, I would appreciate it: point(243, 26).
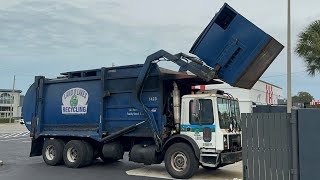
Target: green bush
point(5, 120)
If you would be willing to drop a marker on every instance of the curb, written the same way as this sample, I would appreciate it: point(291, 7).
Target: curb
point(1, 163)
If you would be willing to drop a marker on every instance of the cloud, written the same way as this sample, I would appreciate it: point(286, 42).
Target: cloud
point(49, 37)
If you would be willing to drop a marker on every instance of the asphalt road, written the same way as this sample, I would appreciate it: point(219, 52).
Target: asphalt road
point(14, 152)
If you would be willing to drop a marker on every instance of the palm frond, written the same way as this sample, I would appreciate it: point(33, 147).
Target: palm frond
point(308, 47)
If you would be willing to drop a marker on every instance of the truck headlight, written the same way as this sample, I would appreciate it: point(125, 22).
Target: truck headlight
point(225, 142)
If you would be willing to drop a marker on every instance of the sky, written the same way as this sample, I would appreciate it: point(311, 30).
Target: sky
point(48, 37)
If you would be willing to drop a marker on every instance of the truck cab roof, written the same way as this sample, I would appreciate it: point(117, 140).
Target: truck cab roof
point(207, 95)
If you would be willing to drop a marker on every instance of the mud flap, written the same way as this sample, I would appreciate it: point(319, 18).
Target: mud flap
point(36, 147)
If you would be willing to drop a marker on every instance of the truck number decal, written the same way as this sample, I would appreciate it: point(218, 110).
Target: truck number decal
point(74, 101)
point(154, 98)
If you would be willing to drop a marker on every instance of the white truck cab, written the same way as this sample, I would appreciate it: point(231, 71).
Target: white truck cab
point(212, 120)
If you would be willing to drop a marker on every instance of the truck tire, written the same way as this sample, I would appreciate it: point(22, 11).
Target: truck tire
point(52, 151)
point(89, 153)
point(75, 154)
point(180, 161)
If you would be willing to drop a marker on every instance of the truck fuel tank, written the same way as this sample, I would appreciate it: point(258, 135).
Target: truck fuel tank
point(237, 49)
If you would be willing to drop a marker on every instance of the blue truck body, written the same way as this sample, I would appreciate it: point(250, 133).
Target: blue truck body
point(109, 106)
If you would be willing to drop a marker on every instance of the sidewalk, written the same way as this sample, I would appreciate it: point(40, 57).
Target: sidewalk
point(230, 172)
point(12, 128)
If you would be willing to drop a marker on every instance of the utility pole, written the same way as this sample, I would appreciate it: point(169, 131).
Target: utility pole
point(12, 101)
point(289, 97)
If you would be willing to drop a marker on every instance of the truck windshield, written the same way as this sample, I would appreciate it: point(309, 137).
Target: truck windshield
point(229, 114)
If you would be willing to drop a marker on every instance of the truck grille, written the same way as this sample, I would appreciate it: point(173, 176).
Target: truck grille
point(235, 142)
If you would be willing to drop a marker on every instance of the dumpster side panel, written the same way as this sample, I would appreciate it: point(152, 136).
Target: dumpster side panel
point(240, 48)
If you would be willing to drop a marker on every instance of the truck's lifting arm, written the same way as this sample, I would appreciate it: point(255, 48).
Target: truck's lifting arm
point(187, 63)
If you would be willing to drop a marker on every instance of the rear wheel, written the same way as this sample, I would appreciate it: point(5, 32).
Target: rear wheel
point(75, 154)
point(52, 152)
point(180, 161)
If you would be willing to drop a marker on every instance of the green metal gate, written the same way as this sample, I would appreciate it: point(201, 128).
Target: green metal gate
point(267, 146)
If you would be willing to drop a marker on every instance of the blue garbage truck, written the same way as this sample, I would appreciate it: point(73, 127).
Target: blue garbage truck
point(152, 112)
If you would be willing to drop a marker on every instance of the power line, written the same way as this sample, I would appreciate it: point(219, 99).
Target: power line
point(283, 74)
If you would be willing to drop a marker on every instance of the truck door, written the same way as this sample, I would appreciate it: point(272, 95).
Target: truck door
point(199, 123)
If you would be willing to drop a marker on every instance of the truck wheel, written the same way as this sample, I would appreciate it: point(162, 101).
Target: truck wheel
point(180, 161)
point(75, 154)
point(52, 152)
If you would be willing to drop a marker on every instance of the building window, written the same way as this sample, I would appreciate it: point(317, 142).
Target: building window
point(6, 98)
point(5, 108)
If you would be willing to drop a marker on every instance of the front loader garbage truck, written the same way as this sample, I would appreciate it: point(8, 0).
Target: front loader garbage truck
point(149, 111)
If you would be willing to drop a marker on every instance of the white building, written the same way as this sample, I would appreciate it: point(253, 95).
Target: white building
point(262, 93)
point(8, 100)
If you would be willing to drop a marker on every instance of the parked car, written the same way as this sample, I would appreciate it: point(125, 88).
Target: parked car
point(21, 121)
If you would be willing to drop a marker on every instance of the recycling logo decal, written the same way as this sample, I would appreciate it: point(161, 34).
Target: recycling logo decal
point(75, 101)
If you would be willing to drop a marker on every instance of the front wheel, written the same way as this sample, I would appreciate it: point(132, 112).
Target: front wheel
point(180, 161)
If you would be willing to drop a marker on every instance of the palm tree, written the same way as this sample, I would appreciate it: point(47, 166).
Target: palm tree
point(309, 47)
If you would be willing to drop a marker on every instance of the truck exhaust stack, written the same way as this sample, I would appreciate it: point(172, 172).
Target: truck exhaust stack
point(176, 106)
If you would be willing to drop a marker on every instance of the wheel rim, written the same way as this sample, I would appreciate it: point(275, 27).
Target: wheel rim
point(72, 154)
point(50, 152)
point(179, 161)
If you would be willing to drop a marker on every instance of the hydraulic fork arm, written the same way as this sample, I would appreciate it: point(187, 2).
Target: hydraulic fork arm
point(186, 63)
